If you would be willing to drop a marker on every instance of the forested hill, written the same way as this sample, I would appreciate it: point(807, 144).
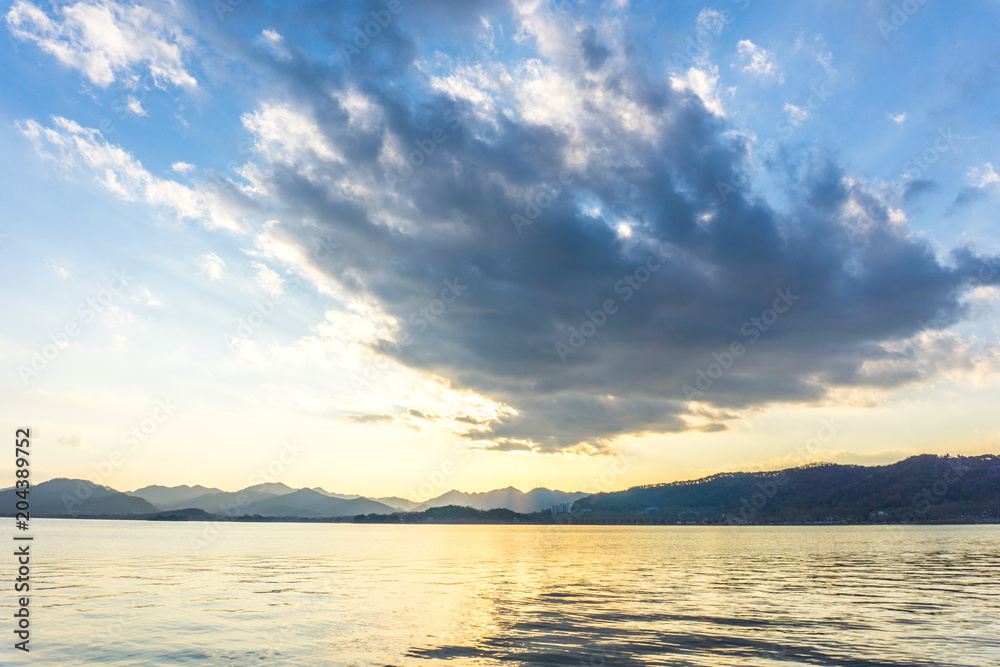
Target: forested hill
point(920, 488)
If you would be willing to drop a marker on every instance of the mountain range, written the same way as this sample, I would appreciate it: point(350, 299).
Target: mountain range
point(922, 488)
point(536, 500)
point(71, 497)
point(68, 497)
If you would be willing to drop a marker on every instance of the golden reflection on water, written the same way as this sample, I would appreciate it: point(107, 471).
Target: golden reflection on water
point(138, 593)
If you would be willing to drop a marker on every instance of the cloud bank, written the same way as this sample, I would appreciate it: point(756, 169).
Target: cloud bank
point(494, 209)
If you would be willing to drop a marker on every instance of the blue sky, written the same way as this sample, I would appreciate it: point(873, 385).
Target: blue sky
point(289, 213)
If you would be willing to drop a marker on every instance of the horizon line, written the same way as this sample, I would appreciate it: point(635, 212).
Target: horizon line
point(511, 486)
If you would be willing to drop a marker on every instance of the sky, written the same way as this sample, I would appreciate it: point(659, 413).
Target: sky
point(394, 248)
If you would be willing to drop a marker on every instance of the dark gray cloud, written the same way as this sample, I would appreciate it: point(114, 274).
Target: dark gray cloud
point(918, 188)
point(727, 261)
point(967, 196)
point(594, 54)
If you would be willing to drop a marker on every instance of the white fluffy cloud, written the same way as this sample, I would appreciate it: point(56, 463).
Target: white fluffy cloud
point(272, 42)
point(269, 279)
point(71, 145)
point(212, 266)
point(135, 106)
point(107, 41)
point(285, 135)
point(758, 61)
point(710, 20)
point(982, 176)
point(796, 115)
point(705, 84)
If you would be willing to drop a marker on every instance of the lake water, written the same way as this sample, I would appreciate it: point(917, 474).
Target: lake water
point(143, 593)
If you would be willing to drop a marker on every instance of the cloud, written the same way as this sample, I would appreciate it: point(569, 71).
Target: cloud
point(818, 49)
point(521, 125)
point(593, 53)
point(979, 180)
point(147, 297)
point(76, 441)
point(135, 106)
point(758, 61)
point(704, 84)
point(965, 198)
point(796, 116)
point(182, 167)
point(273, 43)
point(72, 146)
point(579, 152)
point(361, 113)
point(211, 265)
point(285, 134)
point(702, 80)
point(268, 279)
point(938, 354)
point(917, 188)
point(107, 41)
point(710, 21)
point(898, 118)
point(370, 418)
point(982, 176)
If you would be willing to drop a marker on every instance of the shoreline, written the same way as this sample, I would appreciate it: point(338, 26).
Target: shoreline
point(173, 518)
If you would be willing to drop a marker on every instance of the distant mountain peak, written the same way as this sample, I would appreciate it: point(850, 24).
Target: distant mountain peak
point(512, 498)
point(270, 487)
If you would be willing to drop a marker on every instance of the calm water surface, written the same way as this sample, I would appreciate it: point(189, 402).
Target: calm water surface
point(137, 593)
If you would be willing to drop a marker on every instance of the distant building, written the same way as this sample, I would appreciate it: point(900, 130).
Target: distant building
point(561, 508)
point(651, 510)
